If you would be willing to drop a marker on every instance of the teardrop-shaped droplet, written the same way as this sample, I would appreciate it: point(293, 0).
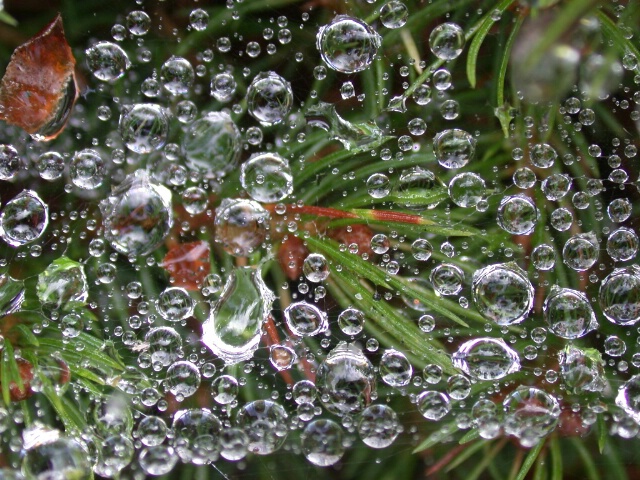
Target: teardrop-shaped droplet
point(234, 326)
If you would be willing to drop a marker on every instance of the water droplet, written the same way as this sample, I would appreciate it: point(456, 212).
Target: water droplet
point(517, 214)
point(223, 87)
point(157, 460)
point(530, 414)
point(151, 431)
point(144, 127)
point(433, 405)
point(345, 380)
point(446, 41)
point(622, 244)
point(234, 326)
point(486, 359)
point(304, 319)
point(87, 169)
point(58, 457)
point(395, 369)
point(23, 219)
point(581, 251)
point(63, 285)
point(137, 215)
point(269, 98)
point(199, 19)
point(543, 155)
point(183, 379)
point(543, 257)
point(394, 14)
point(347, 44)
point(267, 178)
point(568, 313)
point(138, 22)
point(502, 293)
point(466, 189)
point(174, 304)
point(11, 294)
point(240, 226)
point(352, 135)
point(454, 148)
point(351, 321)
point(107, 61)
point(196, 436)
point(177, 75)
point(378, 426)
point(212, 144)
point(315, 268)
point(619, 296)
point(265, 423)
point(378, 185)
point(447, 279)
point(50, 166)
point(164, 346)
point(10, 163)
point(581, 370)
point(321, 442)
point(224, 389)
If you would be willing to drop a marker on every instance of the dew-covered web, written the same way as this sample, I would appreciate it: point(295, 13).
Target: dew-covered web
point(334, 239)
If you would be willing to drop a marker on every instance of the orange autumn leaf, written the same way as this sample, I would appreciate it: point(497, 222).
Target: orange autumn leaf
point(38, 89)
point(188, 264)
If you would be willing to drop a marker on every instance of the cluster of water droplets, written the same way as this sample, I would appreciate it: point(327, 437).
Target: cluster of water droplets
point(187, 205)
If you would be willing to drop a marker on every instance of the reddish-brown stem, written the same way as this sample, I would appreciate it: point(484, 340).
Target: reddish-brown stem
point(444, 461)
point(381, 215)
point(317, 211)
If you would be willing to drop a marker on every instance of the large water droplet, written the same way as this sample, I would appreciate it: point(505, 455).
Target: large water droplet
point(446, 41)
point(234, 327)
point(177, 75)
point(137, 215)
point(305, 320)
point(395, 369)
point(502, 293)
point(144, 127)
point(23, 219)
point(486, 359)
point(241, 226)
point(347, 44)
point(269, 98)
point(212, 144)
point(581, 251)
point(620, 296)
point(345, 380)
point(517, 214)
point(568, 313)
point(582, 370)
point(454, 148)
point(196, 435)
point(352, 135)
point(530, 414)
point(265, 423)
point(322, 443)
point(267, 178)
point(63, 285)
point(107, 61)
point(379, 426)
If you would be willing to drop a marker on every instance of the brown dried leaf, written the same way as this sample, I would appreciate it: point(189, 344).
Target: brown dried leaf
point(38, 89)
